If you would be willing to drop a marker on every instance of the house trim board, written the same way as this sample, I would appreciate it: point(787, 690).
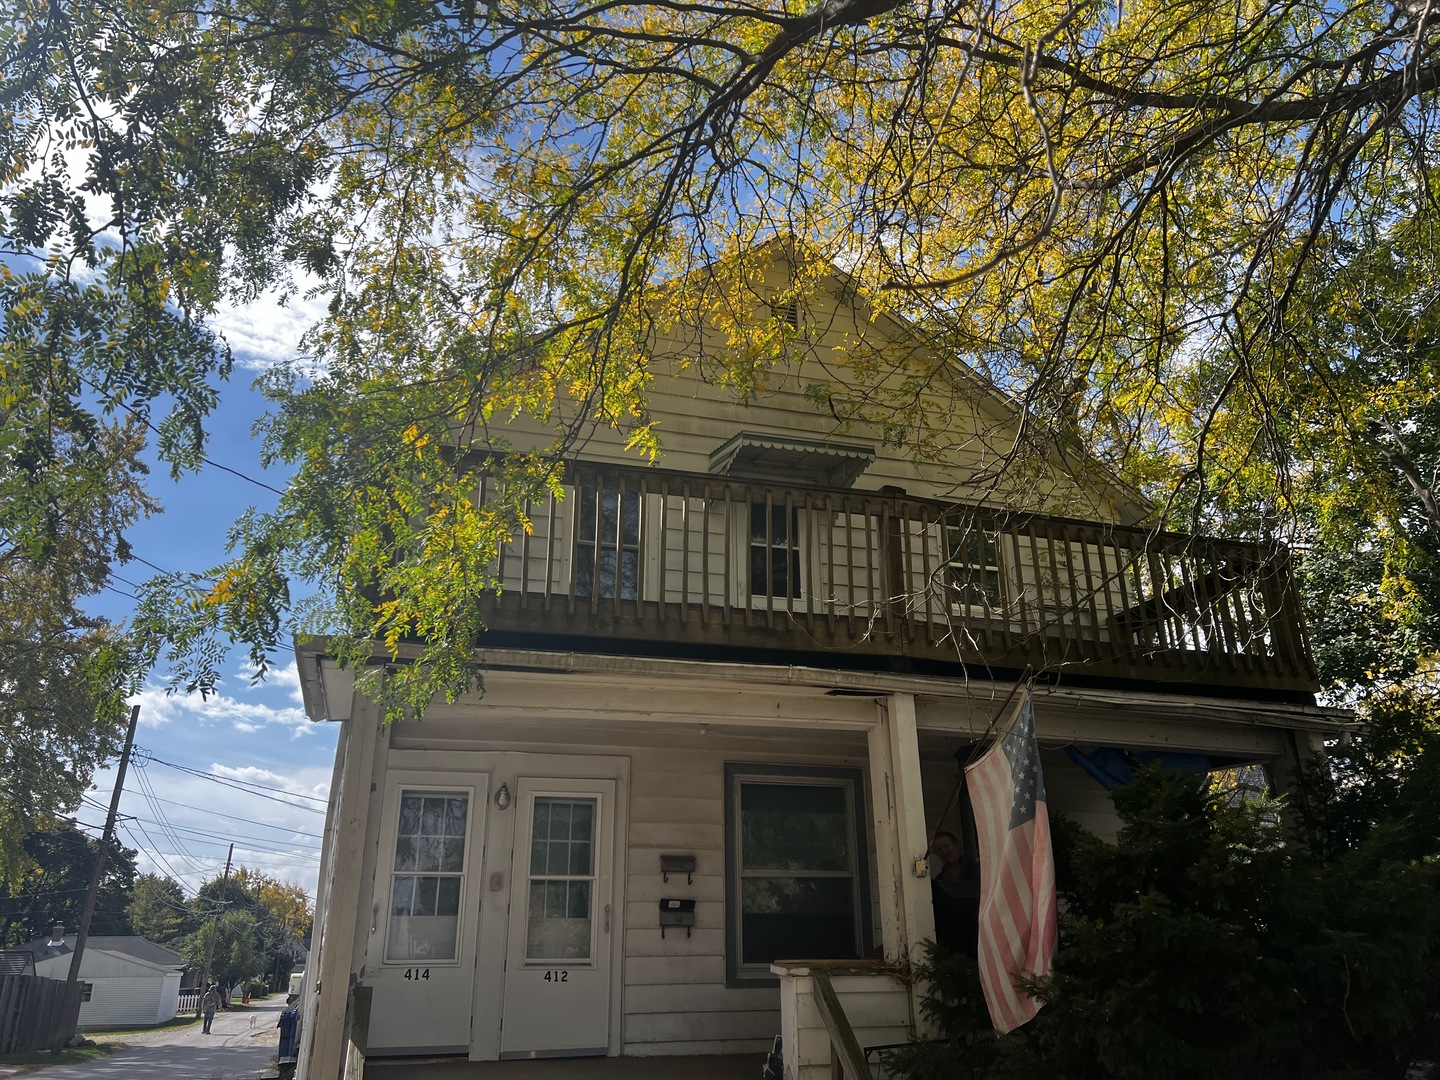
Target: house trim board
point(327, 1023)
point(765, 711)
point(912, 834)
point(310, 1002)
point(320, 680)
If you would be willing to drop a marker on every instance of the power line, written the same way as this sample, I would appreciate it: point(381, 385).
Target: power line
point(148, 790)
point(234, 779)
point(271, 840)
point(262, 846)
point(247, 821)
point(147, 562)
point(158, 856)
point(256, 856)
point(242, 785)
point(145, 419)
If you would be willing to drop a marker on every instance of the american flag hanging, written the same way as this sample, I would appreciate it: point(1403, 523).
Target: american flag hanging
point(1018, 925)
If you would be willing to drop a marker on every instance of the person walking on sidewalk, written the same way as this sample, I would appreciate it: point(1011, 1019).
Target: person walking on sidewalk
point(209, 1002)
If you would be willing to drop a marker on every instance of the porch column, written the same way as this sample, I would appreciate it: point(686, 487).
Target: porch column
point(323, 1038)
point(901, 838)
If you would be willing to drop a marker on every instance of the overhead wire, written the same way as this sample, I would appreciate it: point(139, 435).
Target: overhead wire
point(221, 840)
point(246, 786)
point(145, 419)
point(147, 789)
point(158, 856)
point(247, 821)
point(271, 843)
point(233, 779)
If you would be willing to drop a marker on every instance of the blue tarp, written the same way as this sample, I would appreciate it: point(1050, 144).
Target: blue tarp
point(1114, 765)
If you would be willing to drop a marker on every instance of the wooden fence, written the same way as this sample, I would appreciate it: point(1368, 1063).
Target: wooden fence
point(32, 1012)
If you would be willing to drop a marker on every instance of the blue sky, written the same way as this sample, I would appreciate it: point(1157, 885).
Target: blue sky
point(258, 769)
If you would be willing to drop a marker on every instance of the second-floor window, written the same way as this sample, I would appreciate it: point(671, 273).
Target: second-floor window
point(774, 550)
point(974, 570)
point(607, 544)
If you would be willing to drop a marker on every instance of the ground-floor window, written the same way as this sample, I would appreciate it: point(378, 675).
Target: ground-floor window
point(796, 868)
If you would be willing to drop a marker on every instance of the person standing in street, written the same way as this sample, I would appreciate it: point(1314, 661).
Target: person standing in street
point(209, 1002)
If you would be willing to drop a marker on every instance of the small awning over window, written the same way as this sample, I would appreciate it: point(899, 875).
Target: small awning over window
point(777, 458)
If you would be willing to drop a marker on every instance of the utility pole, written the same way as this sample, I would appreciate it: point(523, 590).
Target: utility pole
point(71, 1014)
point(215, 919)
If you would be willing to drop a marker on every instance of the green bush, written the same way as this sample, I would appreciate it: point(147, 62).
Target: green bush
point(1207, 943)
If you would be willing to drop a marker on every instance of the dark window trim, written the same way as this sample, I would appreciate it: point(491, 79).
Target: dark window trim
point(863, 901)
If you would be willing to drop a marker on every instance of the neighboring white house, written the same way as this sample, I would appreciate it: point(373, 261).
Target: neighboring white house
point(724, 701)
point(125, 981)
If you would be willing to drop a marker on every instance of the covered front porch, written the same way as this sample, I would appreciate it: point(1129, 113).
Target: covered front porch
point(683, 738)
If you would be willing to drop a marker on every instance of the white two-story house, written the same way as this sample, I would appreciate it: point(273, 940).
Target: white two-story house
point(726, 699)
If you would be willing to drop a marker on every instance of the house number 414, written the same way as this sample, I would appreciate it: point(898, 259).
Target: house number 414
point(417, 973)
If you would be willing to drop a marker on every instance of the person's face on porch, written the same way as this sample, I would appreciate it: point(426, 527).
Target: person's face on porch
point(945, 849)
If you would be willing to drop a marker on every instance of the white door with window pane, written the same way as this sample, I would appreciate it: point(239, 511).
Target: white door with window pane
point(557, 965)
point(422, 925)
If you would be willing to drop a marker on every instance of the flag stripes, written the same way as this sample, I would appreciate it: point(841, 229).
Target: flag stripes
point(1018, 923)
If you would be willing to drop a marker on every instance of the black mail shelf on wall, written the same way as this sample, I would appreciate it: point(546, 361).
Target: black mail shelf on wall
point(678, 864)
point(677, 911)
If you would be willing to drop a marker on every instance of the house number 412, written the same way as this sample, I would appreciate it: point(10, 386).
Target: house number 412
point(557, 976)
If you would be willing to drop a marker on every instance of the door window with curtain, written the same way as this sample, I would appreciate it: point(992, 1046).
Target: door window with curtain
point(428, 876)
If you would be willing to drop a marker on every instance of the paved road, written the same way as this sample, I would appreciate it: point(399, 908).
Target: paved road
point(232, 1051)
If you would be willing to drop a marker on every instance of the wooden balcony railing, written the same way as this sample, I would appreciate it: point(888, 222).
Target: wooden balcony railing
point(674, 557)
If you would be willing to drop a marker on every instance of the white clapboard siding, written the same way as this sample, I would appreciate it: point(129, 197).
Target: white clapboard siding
point(694, 414)
point(676, 995)
point(132, 1002)
point(1071, 791)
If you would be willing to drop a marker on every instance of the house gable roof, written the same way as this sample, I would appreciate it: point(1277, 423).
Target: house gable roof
point(16, 962)
point(136, 949)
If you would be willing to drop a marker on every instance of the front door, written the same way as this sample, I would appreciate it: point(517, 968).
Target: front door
point(421, 954)
point(557, 965)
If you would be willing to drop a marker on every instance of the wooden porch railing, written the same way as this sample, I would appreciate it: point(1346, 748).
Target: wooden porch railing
point(648, 554)
point(847, 1057)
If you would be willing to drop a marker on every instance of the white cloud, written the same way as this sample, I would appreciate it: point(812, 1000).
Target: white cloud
point(285, 678)
point(267, 330)
point(158, 707)
point(251, 774)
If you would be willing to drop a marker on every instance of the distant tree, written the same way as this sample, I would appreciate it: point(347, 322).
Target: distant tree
point(53, 889)
point(63, 674)
point(287, 918)
point(237, 956)
point(277, 918)
point(158, 911)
